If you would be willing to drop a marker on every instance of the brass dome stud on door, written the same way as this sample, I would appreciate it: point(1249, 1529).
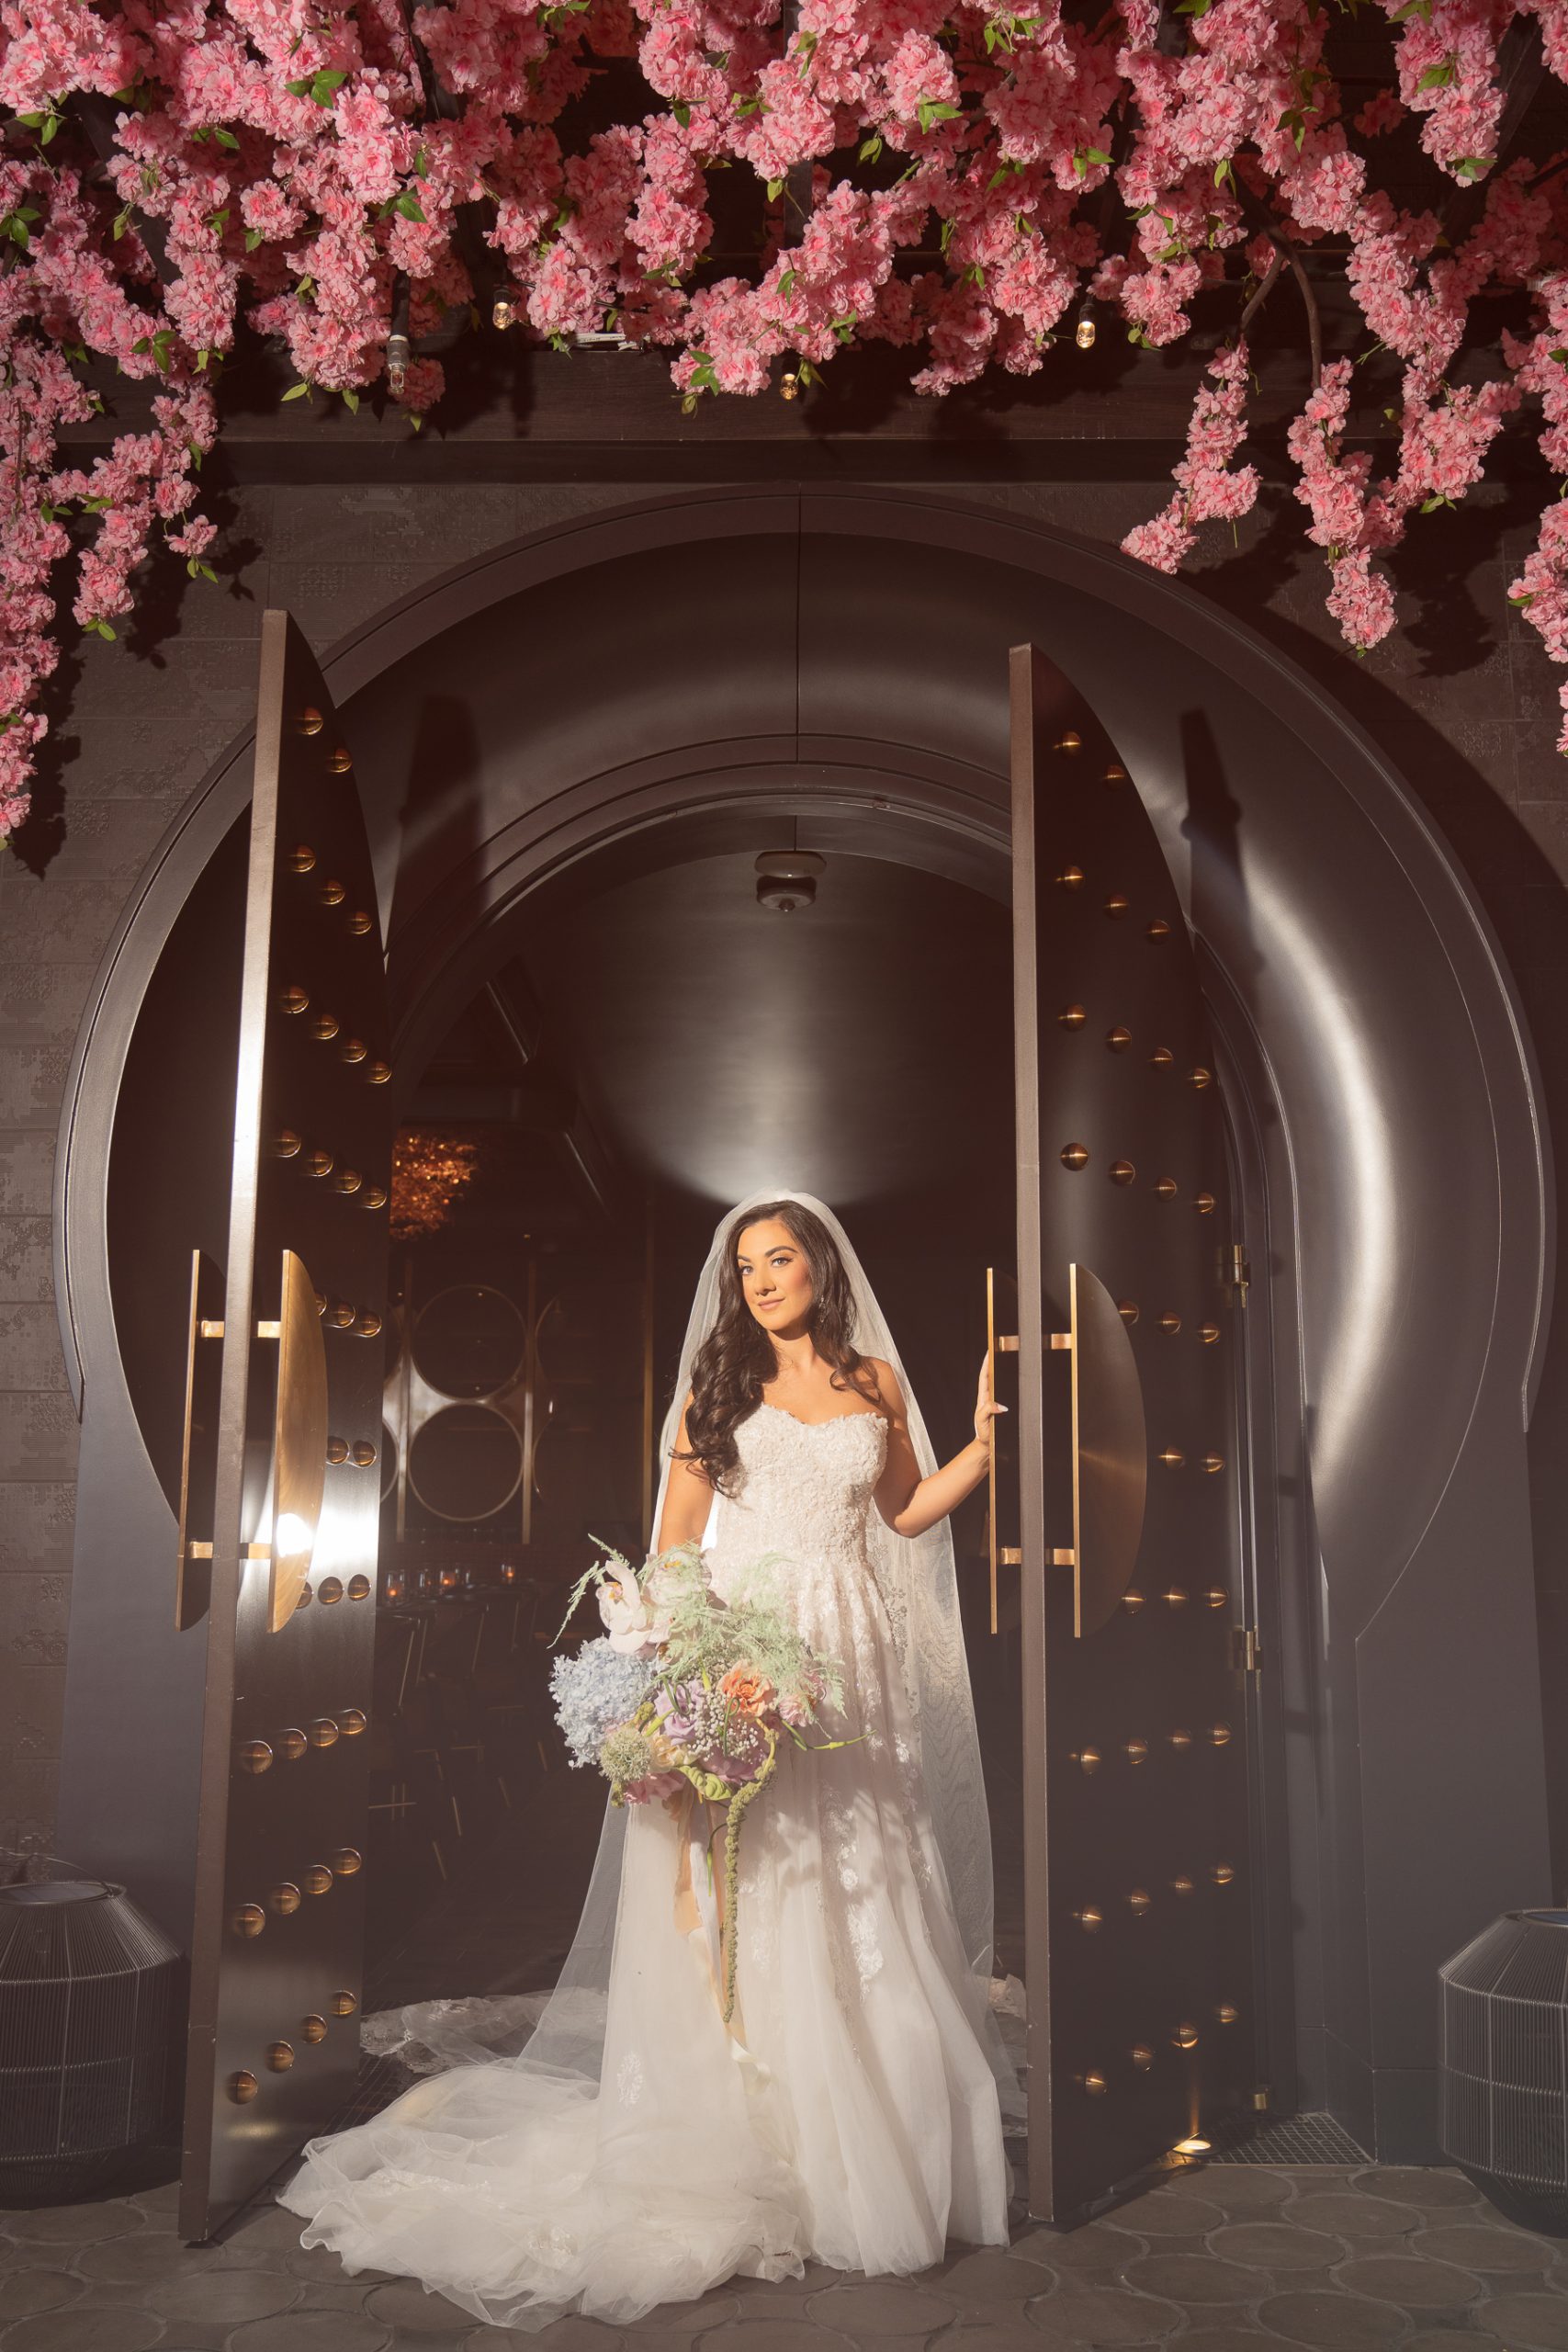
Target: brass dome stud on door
point(1072, 1016)
point(1074, 1155)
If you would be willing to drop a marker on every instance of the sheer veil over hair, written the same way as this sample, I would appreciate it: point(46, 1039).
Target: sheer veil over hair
point(917, 1579)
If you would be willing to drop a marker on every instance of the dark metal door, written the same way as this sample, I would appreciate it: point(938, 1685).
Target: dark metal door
point(1138, 1938)
point(283, 1430)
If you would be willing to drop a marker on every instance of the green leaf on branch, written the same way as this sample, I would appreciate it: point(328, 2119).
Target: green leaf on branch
point(409, 205)
point(322, 87)
point(1422, 8)
point(155, 348)
point(681, 112)
point(1470, 167)
point(1523, 600)
point(298, 392)
point(1192, 7)
point(775, 189)
point(17, 225)
point(46, 121)
point(870, 149)
point(101, 628)
point(934, 111)
point(196, 570)
point(786, 284)
point(1009, 168)
point(1438, 76)
point(253, 238)
point(1086, 156)
point(351, 399)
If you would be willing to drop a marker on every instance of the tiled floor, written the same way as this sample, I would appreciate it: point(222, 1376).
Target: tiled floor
point(1348, 2259)
point(1336, 2257)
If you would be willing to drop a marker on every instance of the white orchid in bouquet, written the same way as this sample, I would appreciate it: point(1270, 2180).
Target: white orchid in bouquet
point(688, 1690)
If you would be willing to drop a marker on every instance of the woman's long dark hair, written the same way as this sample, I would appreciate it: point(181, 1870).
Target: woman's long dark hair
point(737, 1359)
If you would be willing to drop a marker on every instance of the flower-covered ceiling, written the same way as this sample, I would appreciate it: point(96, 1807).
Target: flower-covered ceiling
point(757, 185)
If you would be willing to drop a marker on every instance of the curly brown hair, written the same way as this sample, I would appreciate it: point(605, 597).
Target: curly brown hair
point(738, 1358)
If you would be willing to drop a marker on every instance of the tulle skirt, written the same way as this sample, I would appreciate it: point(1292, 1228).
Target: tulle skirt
point(856, 2123)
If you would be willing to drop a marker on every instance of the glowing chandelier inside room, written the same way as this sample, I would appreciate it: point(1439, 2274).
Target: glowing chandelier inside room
point(430, 1170)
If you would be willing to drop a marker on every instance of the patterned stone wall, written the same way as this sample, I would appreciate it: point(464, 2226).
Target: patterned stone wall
point(1462, 700)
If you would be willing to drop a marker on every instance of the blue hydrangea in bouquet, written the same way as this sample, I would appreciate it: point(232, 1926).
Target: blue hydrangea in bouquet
point(687, 1690)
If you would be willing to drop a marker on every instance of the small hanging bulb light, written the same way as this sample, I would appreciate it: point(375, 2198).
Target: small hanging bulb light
point(789, 385)
point(399, 351)
point(1083, 334)
point(503, 311)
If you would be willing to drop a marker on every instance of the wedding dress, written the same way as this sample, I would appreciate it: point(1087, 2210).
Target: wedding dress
point(852, 2110)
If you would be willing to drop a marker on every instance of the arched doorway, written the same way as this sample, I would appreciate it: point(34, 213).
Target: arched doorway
point(838, 657)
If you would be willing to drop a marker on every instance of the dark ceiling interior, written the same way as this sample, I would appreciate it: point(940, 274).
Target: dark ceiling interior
point(669, 1035)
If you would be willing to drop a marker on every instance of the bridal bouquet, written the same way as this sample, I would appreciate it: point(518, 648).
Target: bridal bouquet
point(684, 1690)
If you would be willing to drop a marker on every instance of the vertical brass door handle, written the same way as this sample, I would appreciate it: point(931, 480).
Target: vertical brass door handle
point(1110, 1453)
point(198, 1441)
point(991, 1435)
point(298, 1443)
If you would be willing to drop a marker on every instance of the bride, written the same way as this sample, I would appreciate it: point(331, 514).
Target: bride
point(638, 2150)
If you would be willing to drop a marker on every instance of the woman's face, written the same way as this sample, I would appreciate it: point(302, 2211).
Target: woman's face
point(775, 1280)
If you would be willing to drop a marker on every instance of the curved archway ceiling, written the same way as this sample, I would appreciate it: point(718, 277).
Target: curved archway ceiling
point(859, 1047)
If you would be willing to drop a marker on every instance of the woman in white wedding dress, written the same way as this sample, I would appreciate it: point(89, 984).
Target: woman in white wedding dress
point(638, 2150)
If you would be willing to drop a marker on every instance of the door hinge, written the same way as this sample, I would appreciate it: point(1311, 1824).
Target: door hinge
point(1246, 1650)
point(1236, 1277)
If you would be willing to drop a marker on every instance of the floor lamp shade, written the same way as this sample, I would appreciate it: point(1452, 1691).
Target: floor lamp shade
point(1503, 2073)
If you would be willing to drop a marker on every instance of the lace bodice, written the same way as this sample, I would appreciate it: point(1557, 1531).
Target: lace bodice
point(804, 1488)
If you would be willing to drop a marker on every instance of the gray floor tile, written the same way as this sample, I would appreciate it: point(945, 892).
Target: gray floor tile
point(1539, 2323)
point(307, 2331)
point(86, 2331)
point(1338, 2323)
point(1353, 2213)
point(61, 2225)
point(1278, 2245)
point(231, 2296)
point(1197, 2279)
point(1079, 2313)
point(24, 2293)
point(1478, 2245)
point(881, 2308)
point(1410, 2280)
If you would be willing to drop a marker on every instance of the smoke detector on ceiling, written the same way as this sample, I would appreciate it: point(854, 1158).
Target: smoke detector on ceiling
point(786, 879)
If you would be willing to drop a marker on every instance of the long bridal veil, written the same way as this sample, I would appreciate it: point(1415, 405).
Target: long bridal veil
point(918, 1579)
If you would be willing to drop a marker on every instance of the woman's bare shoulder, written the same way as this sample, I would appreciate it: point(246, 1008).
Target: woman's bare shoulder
point(889, 1395)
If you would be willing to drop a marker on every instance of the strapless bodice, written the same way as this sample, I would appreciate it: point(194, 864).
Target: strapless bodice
point(803, 1489)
